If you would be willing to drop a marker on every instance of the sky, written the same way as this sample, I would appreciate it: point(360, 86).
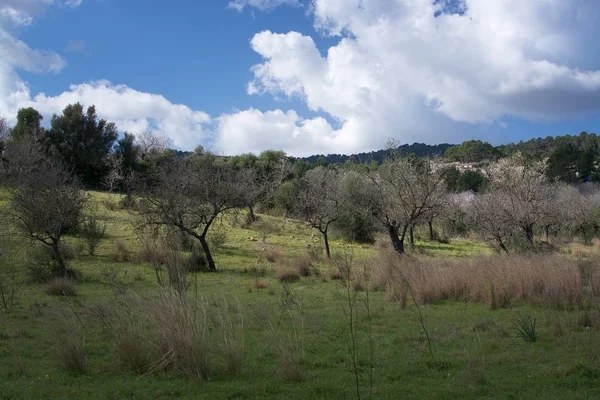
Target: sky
point(308, 76)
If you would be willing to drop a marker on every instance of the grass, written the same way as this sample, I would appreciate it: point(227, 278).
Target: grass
point(242, 353)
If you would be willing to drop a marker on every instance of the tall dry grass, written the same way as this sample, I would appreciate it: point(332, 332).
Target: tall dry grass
point(181, 330)
point(172, 332)
point(68, 344)
point(499, 281)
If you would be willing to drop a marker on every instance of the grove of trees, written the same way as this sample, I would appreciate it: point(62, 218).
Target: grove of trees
point(515, 202)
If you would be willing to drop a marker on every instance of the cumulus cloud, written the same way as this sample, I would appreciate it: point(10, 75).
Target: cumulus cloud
point(418, 69)
point(254, 131)
point(262, 5)
point(132, 110)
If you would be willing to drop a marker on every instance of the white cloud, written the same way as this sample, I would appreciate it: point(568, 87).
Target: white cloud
point(130, 109)
point(400, 71)
point(262, 5)
point(15, 17)
point(253, 131)
point(397, 70)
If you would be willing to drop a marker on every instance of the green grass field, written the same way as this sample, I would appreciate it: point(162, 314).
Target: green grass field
point(476, 352)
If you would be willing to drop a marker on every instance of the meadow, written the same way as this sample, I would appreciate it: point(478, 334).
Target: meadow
point(279, 321)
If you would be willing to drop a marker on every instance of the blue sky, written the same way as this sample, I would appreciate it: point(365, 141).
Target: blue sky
point(334, 77)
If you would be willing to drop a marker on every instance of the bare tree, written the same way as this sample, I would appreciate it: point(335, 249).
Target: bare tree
point(408, 190)
point(189, 195)
point(4, 133)
point(149, 143)
point(113, 179)
point(261, 183)
point(579, 210)
point(526, 190)
point(488, 214)
point(318, 201)
point(46, 200)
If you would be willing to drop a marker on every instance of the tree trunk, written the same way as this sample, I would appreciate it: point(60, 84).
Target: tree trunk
point(251, 215)
point(411, 237)
point(206, 249)
point(62, 267)
point(326, 240)
point(394, 237)
point(547, 229)
point(502, 245)
point(431, 235)
point(529, 234)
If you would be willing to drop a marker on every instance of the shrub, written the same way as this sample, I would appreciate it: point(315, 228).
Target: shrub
point(93, 232)
point(259, 284)
point(525, 327)
point(121, 252)
point(109, 204)
point(70, 251)
point(273, 255)
point(41, 265)
point(334, 274)
point(217, 237)
point(315, 253)
point(61, 287)
point(266, 227)
point(287, 274)
point(304, 265)
point(127, 203)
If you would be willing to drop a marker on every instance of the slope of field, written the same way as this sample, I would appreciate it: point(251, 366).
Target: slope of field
point(449, 350)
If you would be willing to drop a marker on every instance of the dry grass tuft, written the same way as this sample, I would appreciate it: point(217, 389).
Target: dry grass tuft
point(273, 255)
point(499, 281)
point(334, 274)
point(68, 344)
point(259, 284)
point(61, 287)
point(287, 274)
point(181, 333)
point(304, 265)
point(228, 320)
point(121, 252)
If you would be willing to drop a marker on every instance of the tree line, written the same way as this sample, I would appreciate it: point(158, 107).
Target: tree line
point(514, 203)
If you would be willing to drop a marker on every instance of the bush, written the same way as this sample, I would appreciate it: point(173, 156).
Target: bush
point(122, 253)
point(61, 287)
point(93, 232)
point(287, 274)
point(42, 265)
point(110, 205)
point(304, 265)
point(127, 203)
point(217, 238)
point(334, 274)
point(70, 251)
point(525, 327)
point(273, 255)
